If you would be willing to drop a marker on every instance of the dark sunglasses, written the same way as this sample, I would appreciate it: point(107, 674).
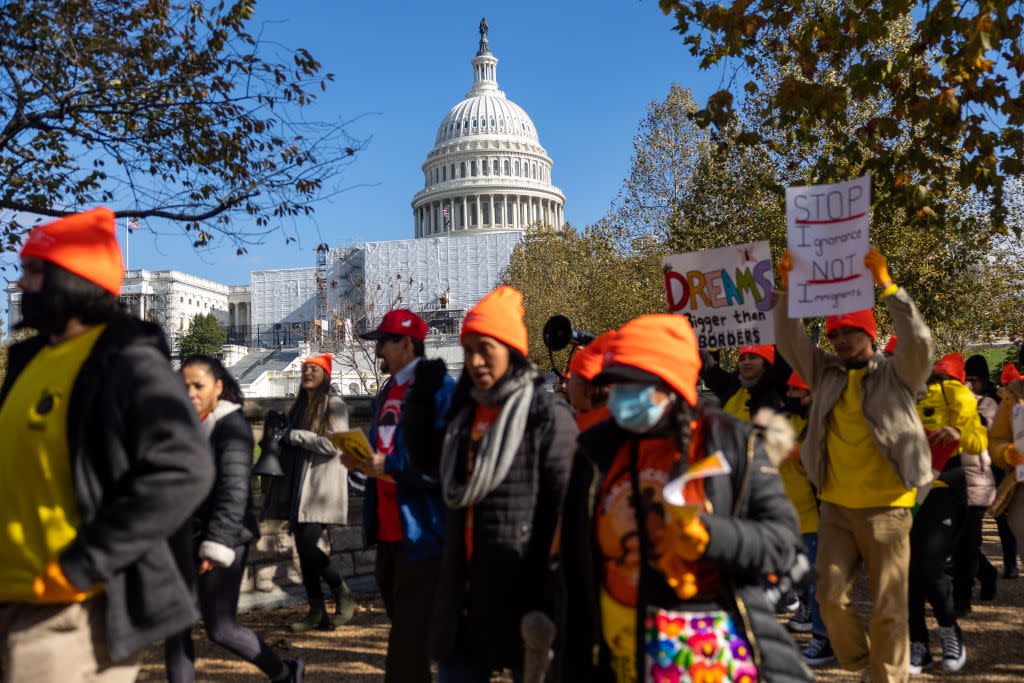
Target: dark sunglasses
point(389, 338)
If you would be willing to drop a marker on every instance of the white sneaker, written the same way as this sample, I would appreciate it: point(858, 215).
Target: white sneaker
point(954, 654)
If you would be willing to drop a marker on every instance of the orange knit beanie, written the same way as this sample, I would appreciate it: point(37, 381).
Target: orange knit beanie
point(82, 243)
point(797, 381)
point(588, 361)
point(660, 344)
point(324, 361)
point(766, 351)
point(499, 315)
point(861, 320)
point(952, 364)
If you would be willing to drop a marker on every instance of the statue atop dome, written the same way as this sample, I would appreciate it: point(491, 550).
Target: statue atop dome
point(484, 49)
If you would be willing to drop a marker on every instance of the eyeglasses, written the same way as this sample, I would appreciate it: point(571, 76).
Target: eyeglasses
point(389, 338)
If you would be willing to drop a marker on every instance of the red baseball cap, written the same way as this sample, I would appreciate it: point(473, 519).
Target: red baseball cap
point(400, 321)
point(1010, 374)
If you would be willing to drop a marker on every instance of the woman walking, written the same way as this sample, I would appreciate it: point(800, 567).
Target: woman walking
point(503, 468)
point(659, 590)
point(313, 491)
point(226, 523)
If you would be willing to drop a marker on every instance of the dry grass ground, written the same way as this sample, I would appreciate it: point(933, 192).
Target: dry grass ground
point(992, 632)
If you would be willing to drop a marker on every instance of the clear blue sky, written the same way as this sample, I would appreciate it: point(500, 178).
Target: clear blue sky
point(583, 72)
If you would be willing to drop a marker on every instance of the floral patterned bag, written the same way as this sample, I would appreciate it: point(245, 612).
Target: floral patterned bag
point(696, 647)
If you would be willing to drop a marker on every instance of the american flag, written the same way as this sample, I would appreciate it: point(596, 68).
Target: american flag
point(133, 224)
point(444, 212)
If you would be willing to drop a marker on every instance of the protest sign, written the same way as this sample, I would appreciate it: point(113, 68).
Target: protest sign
point(725, 293)
point(827, 233)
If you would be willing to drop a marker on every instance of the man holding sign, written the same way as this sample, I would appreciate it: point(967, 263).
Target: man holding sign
point(865, 452)
point(402, 511)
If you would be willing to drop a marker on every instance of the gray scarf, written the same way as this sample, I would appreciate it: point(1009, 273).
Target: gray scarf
point(748, 383)
point(498, 447)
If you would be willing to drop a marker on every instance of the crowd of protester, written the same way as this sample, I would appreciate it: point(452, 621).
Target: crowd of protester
point(658, 520)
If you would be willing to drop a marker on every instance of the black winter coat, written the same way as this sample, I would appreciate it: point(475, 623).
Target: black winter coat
point(762, 537)
point(228, 516)
point(479, 604)
point(140, 467)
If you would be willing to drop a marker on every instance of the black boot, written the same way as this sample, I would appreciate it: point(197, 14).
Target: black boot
point(316, 619)
point(295, 669)
point(344, 604)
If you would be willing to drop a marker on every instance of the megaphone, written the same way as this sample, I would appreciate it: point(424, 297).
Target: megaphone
point(558, 334)
point(269, 464)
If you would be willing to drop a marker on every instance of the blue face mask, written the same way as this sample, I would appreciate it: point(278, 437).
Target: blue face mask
point(633, 408)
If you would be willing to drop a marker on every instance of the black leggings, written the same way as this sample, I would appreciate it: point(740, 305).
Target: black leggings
point(313, 562)
point(218, 602)
point(931, 541)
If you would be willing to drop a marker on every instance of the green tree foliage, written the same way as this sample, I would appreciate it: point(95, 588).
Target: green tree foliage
point(947, 111)
point(158, 109)
point(599, 278)
point(204, 336)
point(696, 189)
point(691, 189)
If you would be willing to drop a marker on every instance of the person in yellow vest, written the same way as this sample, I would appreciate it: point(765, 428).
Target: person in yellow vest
point(866, 453)
point(949, 413)
point(759, 381)
point(102, 461)
point(589, 400)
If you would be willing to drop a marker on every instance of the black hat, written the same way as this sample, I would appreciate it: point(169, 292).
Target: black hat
point(977, 366)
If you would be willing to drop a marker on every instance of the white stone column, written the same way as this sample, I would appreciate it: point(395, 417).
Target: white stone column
point(465, 214)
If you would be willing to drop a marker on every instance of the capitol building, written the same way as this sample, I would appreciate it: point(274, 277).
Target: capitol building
point(487, 169)
point(486, 180)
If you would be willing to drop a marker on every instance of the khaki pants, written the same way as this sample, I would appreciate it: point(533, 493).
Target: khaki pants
point(64, 643)
point(880, 537)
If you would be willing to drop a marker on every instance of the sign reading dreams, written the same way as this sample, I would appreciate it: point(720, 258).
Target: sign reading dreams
point(725, 293)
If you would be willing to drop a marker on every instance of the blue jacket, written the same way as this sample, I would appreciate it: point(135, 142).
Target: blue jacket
point(420, 508)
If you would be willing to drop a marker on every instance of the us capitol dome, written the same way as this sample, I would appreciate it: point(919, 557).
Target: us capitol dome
point(487, 170)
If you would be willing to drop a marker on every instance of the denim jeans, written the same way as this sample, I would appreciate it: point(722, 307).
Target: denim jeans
point(817, 624)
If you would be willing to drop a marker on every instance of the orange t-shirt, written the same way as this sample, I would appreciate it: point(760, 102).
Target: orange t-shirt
point(585, 419)
point(482, 421)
